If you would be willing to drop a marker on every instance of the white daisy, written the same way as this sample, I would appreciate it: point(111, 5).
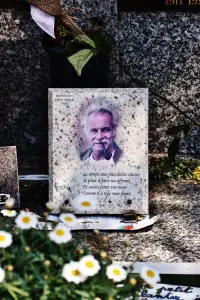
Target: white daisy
point(149, 275)
point(116, 272)
point(89, 266)
point(71, 272)
point(8, 213)
point(2, 274)
point(51, 205)
point(85, 203)
point(5, 239)
point(10, 202)
point(60, 234)
point(68, 219)
point(26, 220)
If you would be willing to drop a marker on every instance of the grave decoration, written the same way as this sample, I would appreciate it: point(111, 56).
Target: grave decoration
point(78, 47)
point(51, 7)
point(98, 156)
point(9, 186)
point(50, 264)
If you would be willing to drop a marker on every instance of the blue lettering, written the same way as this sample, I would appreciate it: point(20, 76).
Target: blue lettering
point(158, 296)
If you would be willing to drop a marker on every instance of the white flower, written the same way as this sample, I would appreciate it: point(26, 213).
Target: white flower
point(68, 219)
point(2, 274)
point(149, 275)
point(71, 272)
point(26, 220)
point(51, 205)
point(116, 272)
point(5, 239)
point(85, 203)
point(9, 213)
point(60, 234)
point(10, 202)
point(89, 266)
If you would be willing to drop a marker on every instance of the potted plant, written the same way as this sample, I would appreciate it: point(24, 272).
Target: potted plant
point(42, 261)
point(79, 56)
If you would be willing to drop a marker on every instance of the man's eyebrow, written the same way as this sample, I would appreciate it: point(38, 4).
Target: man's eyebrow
point(93, 128)
point(106, 127)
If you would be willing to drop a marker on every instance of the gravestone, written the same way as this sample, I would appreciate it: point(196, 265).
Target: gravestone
point(98, 150)
point(9, 184)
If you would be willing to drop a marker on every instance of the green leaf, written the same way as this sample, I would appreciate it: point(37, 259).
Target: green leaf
point(103, 289)
point(175, 129)
point(20, 292)
point(13, 295)
point(80, 59)
point(82, 293)
point(86, 40)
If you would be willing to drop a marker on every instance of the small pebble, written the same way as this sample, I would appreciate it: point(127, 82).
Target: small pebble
point(17, 21)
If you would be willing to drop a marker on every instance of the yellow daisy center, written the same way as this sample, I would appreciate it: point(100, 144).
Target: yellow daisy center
point(76, 272)
point(8, 212)
point(60, 232)
point(89, 264)
point(2, 238)
point(68, 219)
point(116, 272)
point(86, 204)
point(26, 220)
point(150, 274)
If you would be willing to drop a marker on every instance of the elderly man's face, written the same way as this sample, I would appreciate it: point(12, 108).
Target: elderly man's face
point(100, 132)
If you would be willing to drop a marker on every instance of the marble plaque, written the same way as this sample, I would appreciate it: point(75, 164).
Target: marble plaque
point(98, 150)
point(9, 184)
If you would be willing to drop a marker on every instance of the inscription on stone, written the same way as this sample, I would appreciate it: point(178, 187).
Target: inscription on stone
point(98, 150)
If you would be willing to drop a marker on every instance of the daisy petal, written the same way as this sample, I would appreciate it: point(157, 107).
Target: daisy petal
point(8, 213)
point(68, 219)
point(71, 272)
point(5, 239)
point(26, 220)
point(89, 265)
point(116, 272)
point(60, 234)
point(2, 275)
point(149, 275)
point(85, 203)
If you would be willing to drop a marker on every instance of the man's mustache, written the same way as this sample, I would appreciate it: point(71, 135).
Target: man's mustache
point(107, 154)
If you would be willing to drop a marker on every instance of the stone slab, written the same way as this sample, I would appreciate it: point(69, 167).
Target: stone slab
point(23, 88)
point(161, 49)
point(119, 186)
point(9, 184)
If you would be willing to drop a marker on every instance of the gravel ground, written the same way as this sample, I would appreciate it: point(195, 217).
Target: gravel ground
point(174, 238)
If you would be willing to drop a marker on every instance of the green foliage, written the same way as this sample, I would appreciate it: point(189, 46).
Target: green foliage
point(74, 43)
point(80, 59)
point(164, 168)
point(33, 265)
point(85, 39)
